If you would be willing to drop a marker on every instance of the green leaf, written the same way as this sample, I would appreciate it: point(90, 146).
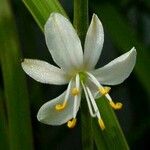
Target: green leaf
point(15, 89)
point(125, 37)
point(41, 9)
point(3, 124)
point(111, 138)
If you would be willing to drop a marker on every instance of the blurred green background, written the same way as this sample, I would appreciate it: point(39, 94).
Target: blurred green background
point(126, 24)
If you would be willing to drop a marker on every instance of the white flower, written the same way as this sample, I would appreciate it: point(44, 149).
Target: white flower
point(76, 69)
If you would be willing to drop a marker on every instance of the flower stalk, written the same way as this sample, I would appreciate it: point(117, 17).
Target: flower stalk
point(81, 22)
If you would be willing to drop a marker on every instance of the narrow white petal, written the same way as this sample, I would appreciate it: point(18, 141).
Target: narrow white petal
point(49, 115)
point(117, 70)
point(93, 43)
point(44, 72)
point(63, 42)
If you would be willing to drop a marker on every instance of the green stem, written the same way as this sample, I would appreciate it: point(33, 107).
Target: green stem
point(81, 25)
point(81, 17)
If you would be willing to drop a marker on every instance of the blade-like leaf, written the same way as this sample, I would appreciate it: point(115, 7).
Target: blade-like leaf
point(112, 137)
point(3, 124)
point(17, 102)
point(41, 9)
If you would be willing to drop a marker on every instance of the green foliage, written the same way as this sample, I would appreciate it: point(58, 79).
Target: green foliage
point(112, 137)
point(17, 103)
point(3, 124)
point(42, 9)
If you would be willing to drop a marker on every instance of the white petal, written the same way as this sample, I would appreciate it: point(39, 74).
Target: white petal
point(117, 70)
point(48, 115)
point(63, 42)
point(43, 72)
point(93, 43)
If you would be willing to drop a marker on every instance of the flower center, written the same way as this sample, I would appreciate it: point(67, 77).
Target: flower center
point(83, 76)
point(74, 92)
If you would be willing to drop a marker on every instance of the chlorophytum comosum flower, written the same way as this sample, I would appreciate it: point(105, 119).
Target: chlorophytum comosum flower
point(76, 68)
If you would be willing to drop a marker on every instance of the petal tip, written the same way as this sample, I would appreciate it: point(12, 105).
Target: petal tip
point(39, 117)
point(52, 16)
point(55, 14)
point(97, 23)
point(133, 51)
point(95, 18)
point(23, 61)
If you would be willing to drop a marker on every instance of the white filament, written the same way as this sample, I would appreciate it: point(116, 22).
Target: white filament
point(88, 101)
point(76, 97)
point(93, 103)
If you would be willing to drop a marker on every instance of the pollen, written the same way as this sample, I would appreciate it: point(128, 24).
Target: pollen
point(75, 91)
point(60, 107)
point(104, 90)
point(116, 106)
point(72, 123)
point(101, 124)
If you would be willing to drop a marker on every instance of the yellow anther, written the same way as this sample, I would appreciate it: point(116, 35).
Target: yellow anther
point(101, 124)
point(116, 106)
point(72, 123)
point(60, 107)
point(104, 90)
point(75, 91)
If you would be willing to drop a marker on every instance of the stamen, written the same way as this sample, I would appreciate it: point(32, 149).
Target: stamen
point(116, 106)
point(93, 102)
point(75, 91)
point(94, 80)
point(100, 121)
point(88, 102)
point(101, 124)
point(104, 90)
point(60, 107)
point(72, 123)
